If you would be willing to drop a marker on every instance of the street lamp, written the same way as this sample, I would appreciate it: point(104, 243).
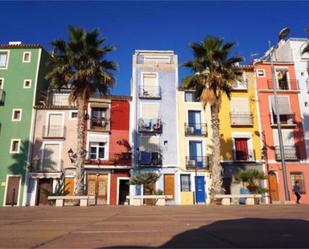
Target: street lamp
point(282, 34)
point(72, 155)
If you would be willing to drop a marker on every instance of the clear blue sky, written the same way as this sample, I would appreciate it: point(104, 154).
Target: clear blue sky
point(154, 25)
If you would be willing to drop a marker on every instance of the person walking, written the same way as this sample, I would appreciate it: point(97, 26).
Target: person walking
point(296, 190)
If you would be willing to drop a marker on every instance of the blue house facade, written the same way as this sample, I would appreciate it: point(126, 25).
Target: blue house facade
point(154, 127)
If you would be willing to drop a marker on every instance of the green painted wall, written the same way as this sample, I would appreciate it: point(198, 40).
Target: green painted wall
point(16, 96)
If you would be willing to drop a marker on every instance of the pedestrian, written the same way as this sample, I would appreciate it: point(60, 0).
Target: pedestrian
point(296, 190)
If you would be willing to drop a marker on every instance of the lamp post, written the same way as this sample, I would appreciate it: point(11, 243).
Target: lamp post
point(283, 33)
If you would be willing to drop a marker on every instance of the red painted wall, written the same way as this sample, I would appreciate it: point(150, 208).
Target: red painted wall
point(113, 185)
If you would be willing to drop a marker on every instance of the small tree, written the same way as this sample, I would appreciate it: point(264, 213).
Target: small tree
point(147, 180)
point(252, 177)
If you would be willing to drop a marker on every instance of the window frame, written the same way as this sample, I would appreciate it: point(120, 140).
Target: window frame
point(24, 53)
point(193, 92)
point(181, 184)
point(2, 83)
point(70, 115)
point(259, 71)
point(13, 114)
point(249, 137)
point(11, 144)
point(98, 146)
point(7, 59)
point(24, 85)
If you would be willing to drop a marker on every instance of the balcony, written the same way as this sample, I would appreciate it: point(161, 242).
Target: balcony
point(59, 97)
point(48, 166)
point(284, 85)
point(150, 125)
point(99, 124)
point(2, 96)
point(54, 132)
point(244, 156)
point(149, 159)
point(285, 120)
point(150, 92)
point(241, 119)
point(240, 85)
point(196, 129)
point(197, 162)
point(290, 153)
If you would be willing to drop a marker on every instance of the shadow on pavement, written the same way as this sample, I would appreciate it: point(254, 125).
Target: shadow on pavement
point(243, 233)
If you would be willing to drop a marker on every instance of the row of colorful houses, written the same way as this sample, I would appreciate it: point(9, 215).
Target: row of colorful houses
point(160, 128)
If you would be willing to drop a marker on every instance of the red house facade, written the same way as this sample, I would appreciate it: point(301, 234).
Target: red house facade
point(297, 166)
point(108, 160)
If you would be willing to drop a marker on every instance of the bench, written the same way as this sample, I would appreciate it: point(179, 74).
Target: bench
point(83, 200)
point(226, 199)
point(138, 200)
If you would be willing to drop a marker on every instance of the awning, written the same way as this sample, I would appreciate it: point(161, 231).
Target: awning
point(284, 107)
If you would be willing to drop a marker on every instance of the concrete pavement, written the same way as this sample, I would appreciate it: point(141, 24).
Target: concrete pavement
point(273, 226)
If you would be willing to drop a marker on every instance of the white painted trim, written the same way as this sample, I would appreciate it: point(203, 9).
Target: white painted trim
point(107, 144)
point(203, 113)
point(5, 190)
point(118, 185)
point(177, 113)
point(2, 83)
point(270, 106)
point(24, 53)
point(43, 150)
point(70, 115)
point(19, 143)
point(7, 58)
point(153, 73)
point(108, 187)
point(24, 85)
point(48, 120)
point(288, 77)
point(13, 112)
point(247, 135)
point(259, 70)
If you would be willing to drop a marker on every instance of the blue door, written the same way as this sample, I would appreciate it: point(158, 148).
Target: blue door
point(195, 121)
point(200, 195)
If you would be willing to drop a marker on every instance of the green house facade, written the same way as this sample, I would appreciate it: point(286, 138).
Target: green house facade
point(22, 71)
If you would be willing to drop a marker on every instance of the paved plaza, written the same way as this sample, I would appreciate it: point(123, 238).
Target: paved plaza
point(171, 226)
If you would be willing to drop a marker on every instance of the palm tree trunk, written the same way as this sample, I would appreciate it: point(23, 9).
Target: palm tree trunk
point(80, 153)
point(216, 169)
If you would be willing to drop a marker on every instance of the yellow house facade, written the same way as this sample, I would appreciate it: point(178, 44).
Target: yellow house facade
point(240, 133)
point(194, 147)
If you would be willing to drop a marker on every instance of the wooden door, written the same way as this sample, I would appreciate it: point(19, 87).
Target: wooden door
point(169, 185)
point(102, 189)
point(69, 185)
point(12, 190)
point(44, 184)
point(273, 186)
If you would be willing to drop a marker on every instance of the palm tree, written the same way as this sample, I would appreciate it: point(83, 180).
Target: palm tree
point(80, 65)
point(213, 72)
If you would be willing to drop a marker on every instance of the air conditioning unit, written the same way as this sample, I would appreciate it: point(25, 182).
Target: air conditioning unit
point(190, 130)
point(191, 163)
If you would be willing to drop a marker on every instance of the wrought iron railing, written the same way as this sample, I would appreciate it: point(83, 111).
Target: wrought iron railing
point(240, 85)
point(290, 153)
point(197, 162)
point(196, 129)
point(150, 125)
point(47, 166)
point(285, 119)
point(240, 155)
point(99, 124)
point(149, 159)
point(54, 131)
point(241, 119)
point(150, 92)
point(284, 85)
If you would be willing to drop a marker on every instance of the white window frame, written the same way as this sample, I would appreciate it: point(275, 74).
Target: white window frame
point(5, 190)
point(260, 70)
point(70, 115)
point(24, 53)
point(43, 151)
point(97, 150)
point(147, 73)
point(288, 78)
point(11, 144)
point(24, 85)
point(271, 109)
point(13, 112)
point(1, 86)
point(247, 135)
point(48, 120)
point(118, 185)
point(7, 59)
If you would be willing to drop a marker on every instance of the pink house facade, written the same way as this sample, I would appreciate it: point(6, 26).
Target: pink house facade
point(297, 165)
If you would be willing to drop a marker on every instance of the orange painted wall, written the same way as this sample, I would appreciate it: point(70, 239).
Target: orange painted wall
point(113, 185)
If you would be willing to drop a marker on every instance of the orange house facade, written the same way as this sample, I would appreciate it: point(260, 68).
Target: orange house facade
point(297, 166)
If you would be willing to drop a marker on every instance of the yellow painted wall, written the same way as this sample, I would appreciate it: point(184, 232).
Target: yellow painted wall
point(225, 125)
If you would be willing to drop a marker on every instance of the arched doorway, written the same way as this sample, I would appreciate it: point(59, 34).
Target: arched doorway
point(273, 186)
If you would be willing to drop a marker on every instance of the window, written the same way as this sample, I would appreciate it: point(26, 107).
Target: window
point(194, 126)
point(73, 114)
point(282, 79)
point(97, 151)
point(284, 109)
point(15, 144)
point(190, 96)
point(27, 83)
point(3, 59)
point(196, 154)
point(55, 126)
point(290, 151)
point(1, 83)
point(298, 177)
point(26, 57)
point(185, 183)
point(16, 114)
point(260, 73)
point(241, 149)
point(51, 157)
point(150, 87)
point(240, 112)
point(98, 117)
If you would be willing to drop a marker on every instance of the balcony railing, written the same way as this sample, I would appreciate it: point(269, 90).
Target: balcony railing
point(2, 96)
point(149, 159)
point(101, 124)
point(290, 153)
point(240, 155)
point(54, 131)
point(150, 92)
point(195, 129)
point(285, 119)
point(241, 119)
point(150, 125)
point(48, 166)
point(284, 85)
point(240, 85)
point(197, 162)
